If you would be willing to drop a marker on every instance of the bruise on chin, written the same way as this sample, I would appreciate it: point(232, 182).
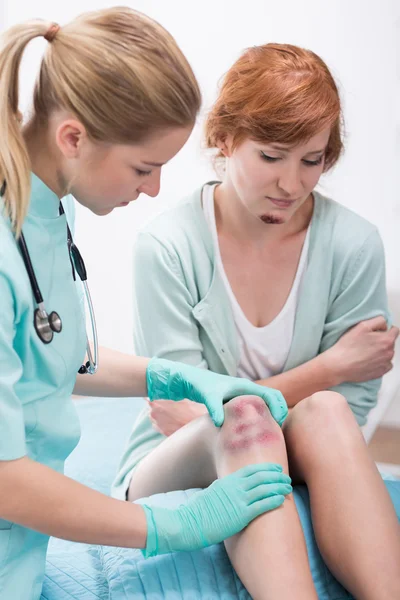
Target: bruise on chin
point(271, 220)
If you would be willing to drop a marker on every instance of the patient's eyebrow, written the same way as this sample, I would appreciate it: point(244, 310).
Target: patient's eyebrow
point(288, 148)
point(316, 151)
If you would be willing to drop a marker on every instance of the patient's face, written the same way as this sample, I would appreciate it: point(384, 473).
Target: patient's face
point(111, 176)
point(273, 181)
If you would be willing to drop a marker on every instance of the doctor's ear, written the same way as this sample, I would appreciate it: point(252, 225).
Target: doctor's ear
point(70, 136)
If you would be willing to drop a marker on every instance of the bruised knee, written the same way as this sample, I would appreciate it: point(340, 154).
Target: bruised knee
point(249, 423)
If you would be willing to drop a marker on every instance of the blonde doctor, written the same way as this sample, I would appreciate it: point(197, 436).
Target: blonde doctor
point(115, 99)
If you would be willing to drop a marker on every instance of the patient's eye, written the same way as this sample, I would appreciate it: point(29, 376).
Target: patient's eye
point(313, 163)
point(270, 159)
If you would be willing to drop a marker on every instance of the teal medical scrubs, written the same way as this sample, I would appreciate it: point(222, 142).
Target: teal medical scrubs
point(37, 416)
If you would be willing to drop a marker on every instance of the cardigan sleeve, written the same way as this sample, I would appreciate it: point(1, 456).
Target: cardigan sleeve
point(361, 296)
point(164, 325)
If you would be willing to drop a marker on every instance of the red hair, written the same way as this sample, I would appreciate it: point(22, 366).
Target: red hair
point(277, 93)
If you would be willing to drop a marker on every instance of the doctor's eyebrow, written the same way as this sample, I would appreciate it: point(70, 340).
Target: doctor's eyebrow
point(153, 164)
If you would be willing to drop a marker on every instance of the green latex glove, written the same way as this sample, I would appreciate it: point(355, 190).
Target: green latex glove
point(175, 381)
point(218, 512)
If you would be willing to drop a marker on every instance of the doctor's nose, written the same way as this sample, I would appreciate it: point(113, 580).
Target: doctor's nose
point(151, 187)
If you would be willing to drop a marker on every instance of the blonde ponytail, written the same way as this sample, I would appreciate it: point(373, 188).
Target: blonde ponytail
point(14, 159)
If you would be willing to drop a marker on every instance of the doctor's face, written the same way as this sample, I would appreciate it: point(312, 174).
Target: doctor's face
point(110, 176)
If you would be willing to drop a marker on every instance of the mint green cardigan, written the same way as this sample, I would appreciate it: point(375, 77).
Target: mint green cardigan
point(182, 311)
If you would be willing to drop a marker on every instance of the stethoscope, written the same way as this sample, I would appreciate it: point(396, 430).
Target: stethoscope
point(46, 325)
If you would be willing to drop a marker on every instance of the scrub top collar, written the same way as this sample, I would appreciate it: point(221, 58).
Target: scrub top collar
point(44, 202)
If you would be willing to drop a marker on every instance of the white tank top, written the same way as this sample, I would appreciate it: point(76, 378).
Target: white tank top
point(263, 350)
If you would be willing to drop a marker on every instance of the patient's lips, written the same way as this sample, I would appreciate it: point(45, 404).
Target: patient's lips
point(281, 202)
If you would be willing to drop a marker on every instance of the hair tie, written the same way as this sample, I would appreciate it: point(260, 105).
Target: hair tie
point(52, 32)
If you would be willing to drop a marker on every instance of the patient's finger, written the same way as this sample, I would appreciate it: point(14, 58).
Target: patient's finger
point(376, 324)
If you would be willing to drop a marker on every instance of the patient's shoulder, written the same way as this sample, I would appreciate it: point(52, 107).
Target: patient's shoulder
point(349, 232)
point(181, 227)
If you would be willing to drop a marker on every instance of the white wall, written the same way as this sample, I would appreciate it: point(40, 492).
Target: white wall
point(358, 41)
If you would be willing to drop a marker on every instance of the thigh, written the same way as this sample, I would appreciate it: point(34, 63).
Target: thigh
point(184, 460)
point(294, 441)
point(314, 429)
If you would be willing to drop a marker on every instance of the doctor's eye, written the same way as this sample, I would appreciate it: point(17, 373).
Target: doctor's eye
point(142, 173)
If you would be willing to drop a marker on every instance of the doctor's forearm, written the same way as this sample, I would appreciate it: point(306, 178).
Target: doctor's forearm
point(39, 498)
point(118, 375)
point(313, 376)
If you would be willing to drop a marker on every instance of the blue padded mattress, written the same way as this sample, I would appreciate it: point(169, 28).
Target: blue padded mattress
point(77, 571)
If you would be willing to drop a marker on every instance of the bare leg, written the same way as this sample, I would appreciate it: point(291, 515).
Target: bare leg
point(355, 524)
point(184, 460)
point(270, 554)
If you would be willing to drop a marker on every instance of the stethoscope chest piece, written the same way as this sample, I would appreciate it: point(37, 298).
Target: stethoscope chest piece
point(46, 325)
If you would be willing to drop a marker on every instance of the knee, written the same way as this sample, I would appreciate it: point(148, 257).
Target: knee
point(325, 405)
point(323, 411)
point(249, 423)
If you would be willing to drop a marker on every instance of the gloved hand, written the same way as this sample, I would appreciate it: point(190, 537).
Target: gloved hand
point(175, 381)
point(218, 512)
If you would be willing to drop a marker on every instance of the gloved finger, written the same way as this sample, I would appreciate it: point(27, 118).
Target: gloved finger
point(250, 470)
point(263, 477)
point(267, 490)
point(277, 406)
point(273, 399)
point(262, 506)
point(215, 408)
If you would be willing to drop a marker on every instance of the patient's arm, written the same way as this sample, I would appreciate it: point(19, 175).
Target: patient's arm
point(363, 353)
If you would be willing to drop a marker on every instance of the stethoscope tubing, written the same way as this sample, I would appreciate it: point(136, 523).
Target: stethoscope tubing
point(29, 268)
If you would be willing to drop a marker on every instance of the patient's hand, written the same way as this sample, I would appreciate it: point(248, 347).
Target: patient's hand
point(167, 416)
point(365, 352)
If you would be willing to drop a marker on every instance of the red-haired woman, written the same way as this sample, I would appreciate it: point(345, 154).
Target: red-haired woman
point(260, 276)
